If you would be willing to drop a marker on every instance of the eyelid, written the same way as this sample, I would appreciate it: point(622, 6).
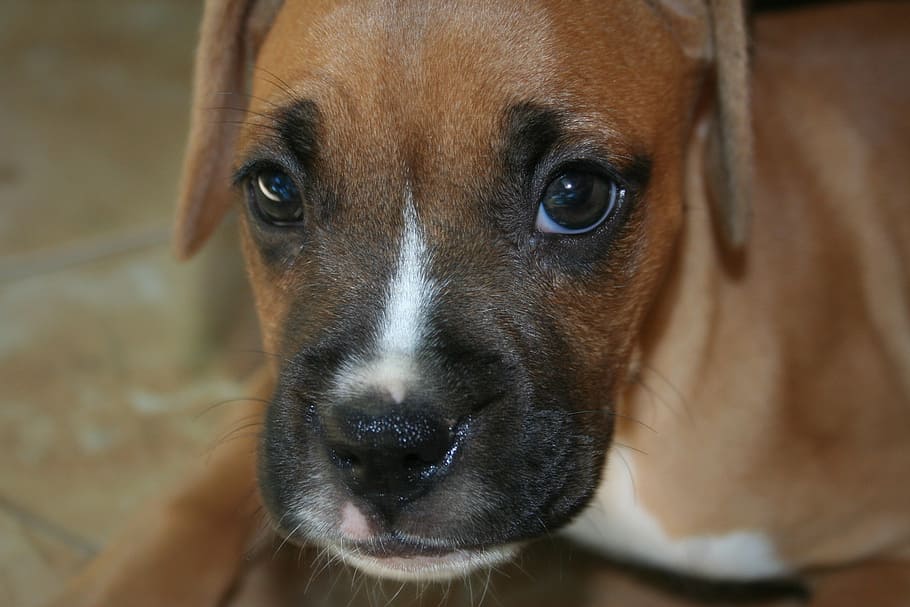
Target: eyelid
point(630, 169)
point(267, 159)
point(584, 164)
point(246, 172)
point(252, 167)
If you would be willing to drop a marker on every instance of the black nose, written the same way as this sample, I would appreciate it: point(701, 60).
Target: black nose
point(388, 458)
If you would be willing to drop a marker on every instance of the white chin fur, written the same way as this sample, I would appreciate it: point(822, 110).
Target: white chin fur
point(428, 568)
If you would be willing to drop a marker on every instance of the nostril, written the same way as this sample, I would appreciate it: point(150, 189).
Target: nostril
point(413, 462)
point(435, 446)
point(415, 466)
point(393, 457)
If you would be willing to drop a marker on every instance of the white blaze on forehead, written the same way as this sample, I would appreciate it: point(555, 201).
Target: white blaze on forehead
point(402, 322)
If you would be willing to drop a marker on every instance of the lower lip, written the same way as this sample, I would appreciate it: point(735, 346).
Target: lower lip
point(443, 567)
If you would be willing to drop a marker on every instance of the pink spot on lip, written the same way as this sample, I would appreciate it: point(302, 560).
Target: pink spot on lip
point(354, 524)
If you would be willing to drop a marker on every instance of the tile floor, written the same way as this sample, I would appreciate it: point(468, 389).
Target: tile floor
point(105, 349)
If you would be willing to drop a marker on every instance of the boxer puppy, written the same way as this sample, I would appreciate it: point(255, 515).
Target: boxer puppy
point(502, 255)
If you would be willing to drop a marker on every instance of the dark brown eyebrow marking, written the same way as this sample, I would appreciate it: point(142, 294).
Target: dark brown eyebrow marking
point(297, 125)
point(530, 131)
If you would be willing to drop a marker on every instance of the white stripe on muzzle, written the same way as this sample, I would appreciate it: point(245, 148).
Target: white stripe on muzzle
point(392, 367)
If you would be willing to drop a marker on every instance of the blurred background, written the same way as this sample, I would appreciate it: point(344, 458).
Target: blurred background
point(111, 352)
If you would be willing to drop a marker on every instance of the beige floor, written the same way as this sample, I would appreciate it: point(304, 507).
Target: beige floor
point(105, 361)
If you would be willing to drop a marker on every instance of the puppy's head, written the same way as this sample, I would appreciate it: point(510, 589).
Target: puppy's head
point(455, 216)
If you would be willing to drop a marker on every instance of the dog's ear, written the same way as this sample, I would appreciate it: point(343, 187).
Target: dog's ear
point(729, 165)
point(714, 32)
point(230, 36)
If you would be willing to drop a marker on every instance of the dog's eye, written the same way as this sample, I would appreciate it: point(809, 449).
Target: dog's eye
point(276, 197)
point(577, 202)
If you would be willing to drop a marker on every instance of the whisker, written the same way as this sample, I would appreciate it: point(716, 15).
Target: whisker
point(625, 462)
point(544, 527)
point(519, 564)
point(241, 110)
point(222, 441)
point(679, 395)
point(286, 538)
point(289, 362)
point(470, 583)
point(275, 80)
point(262, 535)
point(241, 437)
point(339, 572)
point(486, 585)
point(327, 559)
point(614, 413)
point(236, 434)
point(354, 574)
point(248, 96)
point(630, 447)
point(255, 351)
point(634, 420)
point(259, 125)
point(395, 596)
point(260, 352)
point(246, 418)
point(656, 398)
point(441, 591)
point(228, 401)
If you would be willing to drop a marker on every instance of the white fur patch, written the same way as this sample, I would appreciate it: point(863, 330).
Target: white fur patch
point(409, 292)
point(617, 525)
point(402, 324)
point(392, 374)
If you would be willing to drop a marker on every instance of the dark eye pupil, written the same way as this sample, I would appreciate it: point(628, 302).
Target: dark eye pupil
point(277, 197)
point(577, 200)
point(279, 185)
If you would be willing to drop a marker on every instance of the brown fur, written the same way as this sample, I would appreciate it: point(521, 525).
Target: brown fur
point(771, 371)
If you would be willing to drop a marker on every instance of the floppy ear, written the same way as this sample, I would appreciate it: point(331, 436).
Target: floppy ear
point(714, 32)
point(729, 164)
point(230, 36)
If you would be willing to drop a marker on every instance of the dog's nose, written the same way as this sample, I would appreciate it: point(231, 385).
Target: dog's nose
point(388, 458)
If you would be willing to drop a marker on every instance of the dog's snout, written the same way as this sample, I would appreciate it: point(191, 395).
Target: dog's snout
point(388, 457)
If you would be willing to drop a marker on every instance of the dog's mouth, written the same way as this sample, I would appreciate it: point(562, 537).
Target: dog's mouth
point(394, 547)
point(406, 559)
point(394, 554)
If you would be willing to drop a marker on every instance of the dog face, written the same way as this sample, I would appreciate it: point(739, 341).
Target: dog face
point(455, 217)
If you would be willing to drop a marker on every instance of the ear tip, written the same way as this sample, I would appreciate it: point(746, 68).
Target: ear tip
point(184, 244)
point(198, 215)
point(738, 226)
point(737, 215)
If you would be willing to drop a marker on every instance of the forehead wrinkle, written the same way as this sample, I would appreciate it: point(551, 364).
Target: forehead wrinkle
point(467, 68)
point(418, 70)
